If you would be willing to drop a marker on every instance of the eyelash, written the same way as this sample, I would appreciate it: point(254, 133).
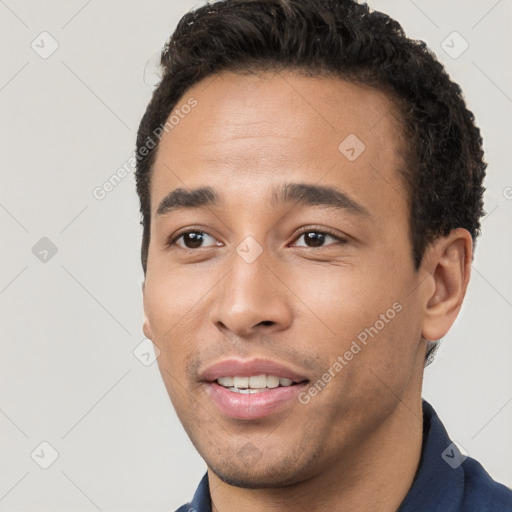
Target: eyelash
point(341, 240)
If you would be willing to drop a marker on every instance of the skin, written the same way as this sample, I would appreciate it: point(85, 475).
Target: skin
point(356, 445)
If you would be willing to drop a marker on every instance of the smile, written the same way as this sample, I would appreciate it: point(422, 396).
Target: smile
point(254, 383)
point(252, 389)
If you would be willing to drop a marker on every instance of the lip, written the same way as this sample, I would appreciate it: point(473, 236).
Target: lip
point(252, 406)
point(240, 368)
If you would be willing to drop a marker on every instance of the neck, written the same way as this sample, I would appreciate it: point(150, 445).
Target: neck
point(376, 476)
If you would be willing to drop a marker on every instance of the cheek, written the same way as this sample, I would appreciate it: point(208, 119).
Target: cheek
point(175, 301)
point(342, 302)
point(173, 296)
point(365, 318)
point(388, 341)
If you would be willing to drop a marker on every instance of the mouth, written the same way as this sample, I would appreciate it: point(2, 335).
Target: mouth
point(254, 383)
point(252, 389)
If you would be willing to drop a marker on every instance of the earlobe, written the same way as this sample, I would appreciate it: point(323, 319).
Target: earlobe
point(146, 326)
point(450, 260)
point(146, 329)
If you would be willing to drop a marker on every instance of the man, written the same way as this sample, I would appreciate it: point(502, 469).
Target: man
point(311, 188)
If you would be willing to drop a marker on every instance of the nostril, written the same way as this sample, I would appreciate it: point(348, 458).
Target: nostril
point(267, 322)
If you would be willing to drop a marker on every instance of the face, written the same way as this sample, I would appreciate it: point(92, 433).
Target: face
point(283, 298)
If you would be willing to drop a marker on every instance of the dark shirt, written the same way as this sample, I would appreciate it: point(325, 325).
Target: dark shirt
point(445, 481)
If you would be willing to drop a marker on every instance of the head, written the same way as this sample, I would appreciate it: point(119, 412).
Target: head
point(310, 184)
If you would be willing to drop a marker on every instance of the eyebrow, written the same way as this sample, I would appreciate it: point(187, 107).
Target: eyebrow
point(298, 193)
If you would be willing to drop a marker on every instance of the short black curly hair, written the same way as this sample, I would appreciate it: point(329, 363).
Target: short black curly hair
point(444, 168)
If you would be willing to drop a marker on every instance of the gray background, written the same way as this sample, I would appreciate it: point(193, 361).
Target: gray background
point(70, 323)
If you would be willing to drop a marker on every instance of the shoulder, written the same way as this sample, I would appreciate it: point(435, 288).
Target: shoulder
point(186, 508)
point(201, 501)
point(481, 492)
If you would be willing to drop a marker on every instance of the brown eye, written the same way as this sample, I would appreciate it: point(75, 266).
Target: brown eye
point(315, 238)
point(193, 239)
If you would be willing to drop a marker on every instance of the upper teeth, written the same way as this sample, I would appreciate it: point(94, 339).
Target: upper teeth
point(254, 382)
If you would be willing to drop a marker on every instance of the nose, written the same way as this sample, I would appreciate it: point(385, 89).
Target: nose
point(252, 298)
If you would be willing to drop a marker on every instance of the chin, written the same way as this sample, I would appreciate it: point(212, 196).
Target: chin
point(266, 473)
point(253, 480)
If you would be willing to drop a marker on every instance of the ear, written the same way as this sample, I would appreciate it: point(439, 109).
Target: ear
point(448, 261)
point(146, 326)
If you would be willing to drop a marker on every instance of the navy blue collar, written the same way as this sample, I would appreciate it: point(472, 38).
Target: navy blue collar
point(445, 481)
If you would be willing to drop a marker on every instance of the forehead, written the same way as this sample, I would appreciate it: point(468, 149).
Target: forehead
point(246, 130)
